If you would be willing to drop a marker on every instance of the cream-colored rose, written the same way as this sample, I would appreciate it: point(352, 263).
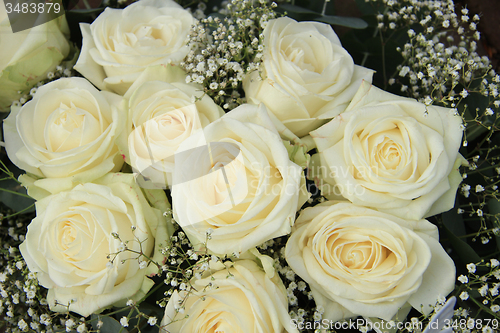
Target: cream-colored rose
point(247, 301)
point(391, 153)
point(235, 180)
point(306, 76)
point(161, 117)
point(69, 241)
point(68, 131)
point(359, 261)
point(27, 56)
point(121, 43)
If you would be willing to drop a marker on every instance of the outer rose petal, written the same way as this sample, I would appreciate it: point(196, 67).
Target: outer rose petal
point(93, 72)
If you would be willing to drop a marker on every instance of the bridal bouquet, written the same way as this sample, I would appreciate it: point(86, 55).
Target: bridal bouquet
point(247, 166)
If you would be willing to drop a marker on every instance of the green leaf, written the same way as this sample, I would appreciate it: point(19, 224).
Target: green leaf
point(12, 194)
point(454, 222)
point(296, 9)
point(72, 5)
point(464, 250)
point(368, 8)
point(350, 22)
point(109, 324)
point(84, 12)
point(298, 13)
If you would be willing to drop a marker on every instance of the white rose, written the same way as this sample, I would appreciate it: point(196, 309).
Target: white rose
point(68, 131)
point(27, 56)
point(161, 117)
point(248, 301)
point(359, 261)
point(391, 153)
point(69, 241)
point(243, 186)
point(121, 43)
point(306, 76)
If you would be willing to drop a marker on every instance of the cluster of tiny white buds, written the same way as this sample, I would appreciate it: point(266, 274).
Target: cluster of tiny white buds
point(220, 60)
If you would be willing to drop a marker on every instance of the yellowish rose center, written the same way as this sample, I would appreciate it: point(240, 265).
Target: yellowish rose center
point(217, 325)
point(172, 125)
point(69, 118)
point(66, 128)
point(71, 237)
point(385, 152)
point(299, 52)
point(152, 36)
point(214, 318)
point(68, 235)
point(388, 154)
point(224, 177)
point(69, 127)
point(352, 252)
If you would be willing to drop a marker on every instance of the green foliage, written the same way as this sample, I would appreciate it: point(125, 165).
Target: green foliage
point(109, 324)
point(12, 194)
point(465, 252)
point(303, 14)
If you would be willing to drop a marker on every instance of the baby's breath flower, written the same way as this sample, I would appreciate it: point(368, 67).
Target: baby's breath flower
point(152, 321)
point(124, 321)
point(81, 328)
point(69, 324)
point(494, 262)
point(23, 326)
point(483, 291)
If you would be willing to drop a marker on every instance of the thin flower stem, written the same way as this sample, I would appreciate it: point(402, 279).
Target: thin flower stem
point(145, 256)
point(14, 192)
point(153, 290)
point(325, 3)
point(383, 60)
point(482, 169)
point(476, 233)
point(482, 307)
point(19, 212)
point(365, 57)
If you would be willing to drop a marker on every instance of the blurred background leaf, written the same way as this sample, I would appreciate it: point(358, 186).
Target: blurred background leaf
point(12, 194)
